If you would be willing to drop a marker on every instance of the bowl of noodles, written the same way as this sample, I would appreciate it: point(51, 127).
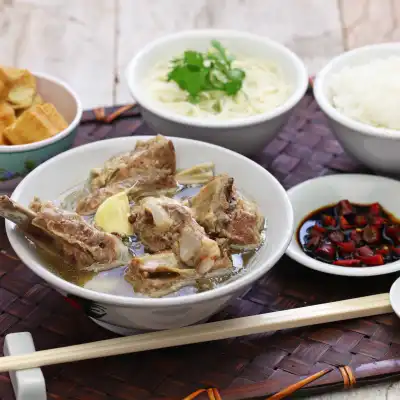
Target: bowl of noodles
point(229, 88)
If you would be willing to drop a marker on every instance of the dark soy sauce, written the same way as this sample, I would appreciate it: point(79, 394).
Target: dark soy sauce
point(351, 234)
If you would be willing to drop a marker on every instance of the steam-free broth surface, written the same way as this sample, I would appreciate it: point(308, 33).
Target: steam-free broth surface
point(113, 281)
point(194, 228)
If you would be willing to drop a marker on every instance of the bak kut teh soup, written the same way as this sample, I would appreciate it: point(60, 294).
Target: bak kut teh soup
point(140, 227)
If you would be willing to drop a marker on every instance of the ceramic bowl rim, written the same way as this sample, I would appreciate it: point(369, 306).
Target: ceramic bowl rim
point(296, 96)
point(21, 148)
point(295, 253)
point(393, 289)
point(225, 290)
point(332, 112)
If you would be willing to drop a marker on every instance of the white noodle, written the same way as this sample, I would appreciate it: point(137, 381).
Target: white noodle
point(264, 88)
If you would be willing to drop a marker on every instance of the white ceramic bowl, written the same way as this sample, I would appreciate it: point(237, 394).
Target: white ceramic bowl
point(245, 135)
point(395, 297)
point(319, 192)
point(377, 148)
point(20, 159)
point(149, 313)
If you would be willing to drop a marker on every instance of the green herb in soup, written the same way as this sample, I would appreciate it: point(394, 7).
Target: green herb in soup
point(139, 227)
point(197, 72)
point(217, 85)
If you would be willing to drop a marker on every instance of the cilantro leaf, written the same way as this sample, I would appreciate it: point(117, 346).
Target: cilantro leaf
point(221, 52)
point(196, 72)
point(193, 81)
point(232, 87)
point(194, 58)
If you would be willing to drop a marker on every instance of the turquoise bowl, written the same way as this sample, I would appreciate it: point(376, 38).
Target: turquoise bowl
point(19, 160)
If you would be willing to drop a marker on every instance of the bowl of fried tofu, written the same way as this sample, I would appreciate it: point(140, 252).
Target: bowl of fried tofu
point(39, 116)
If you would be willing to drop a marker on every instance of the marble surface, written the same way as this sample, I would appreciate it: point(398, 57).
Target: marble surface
point(88, 44)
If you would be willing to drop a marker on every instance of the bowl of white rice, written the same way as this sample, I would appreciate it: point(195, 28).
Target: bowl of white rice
point(359, 92)
point(246, 91)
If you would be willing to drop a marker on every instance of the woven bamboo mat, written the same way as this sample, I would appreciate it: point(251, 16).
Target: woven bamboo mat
point(242, 368)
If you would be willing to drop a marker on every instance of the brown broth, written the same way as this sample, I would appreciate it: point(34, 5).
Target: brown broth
point(113, 281)
point(64, 270)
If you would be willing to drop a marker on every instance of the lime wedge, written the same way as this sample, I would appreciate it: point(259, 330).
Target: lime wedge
point(112, 215)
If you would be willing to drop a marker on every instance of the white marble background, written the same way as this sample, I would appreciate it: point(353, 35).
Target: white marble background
point(88, 44)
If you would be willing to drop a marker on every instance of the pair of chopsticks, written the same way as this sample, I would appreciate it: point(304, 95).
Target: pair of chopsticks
point(213, 394)
point(255, 324)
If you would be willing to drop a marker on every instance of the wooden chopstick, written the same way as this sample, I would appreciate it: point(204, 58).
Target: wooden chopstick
point(294, 318)
point(296, 386)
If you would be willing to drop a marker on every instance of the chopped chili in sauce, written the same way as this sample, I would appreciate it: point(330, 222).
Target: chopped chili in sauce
point(351, 235)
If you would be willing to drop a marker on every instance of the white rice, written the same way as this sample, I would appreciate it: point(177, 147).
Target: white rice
point(369, 93)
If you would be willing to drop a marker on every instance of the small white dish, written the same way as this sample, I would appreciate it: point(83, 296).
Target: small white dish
point(394, 296)
point(377, 148)
point(323, 191)
point(246, 135)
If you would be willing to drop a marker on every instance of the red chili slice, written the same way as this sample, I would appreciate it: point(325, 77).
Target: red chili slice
point(344, 224)
point(336, 236)
point(375, 209)
point(361, 220)
point(392, 231)
point(317, 230)
point(345, 207)
point(365, 251)
point(313, 242)
point(371, 234)
point(384, 250)
point(396, 250)
point(347, 247)
point(376, 259)
point(347, 263)
point(326, 251)
point(356, 236)
point(378, 221)
point(328, 220)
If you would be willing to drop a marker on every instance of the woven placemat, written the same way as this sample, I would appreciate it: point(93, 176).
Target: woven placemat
point(242, 368)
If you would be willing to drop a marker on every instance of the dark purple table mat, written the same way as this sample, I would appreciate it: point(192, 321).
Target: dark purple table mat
point(242, 368)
